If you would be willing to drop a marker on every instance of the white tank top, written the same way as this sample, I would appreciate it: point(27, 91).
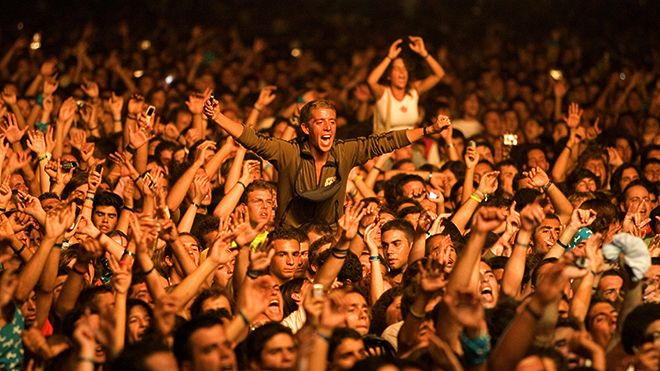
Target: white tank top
point(392, 114)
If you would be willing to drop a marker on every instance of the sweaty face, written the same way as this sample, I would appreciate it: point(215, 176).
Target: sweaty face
point(535, 158)
point(597, 166)
point(637, 197)
point(627, 176)
point(347, 353)
point(260, 206)
point(105, 218)
point(546, 235)
point(279, 353)
point(285, 261)
point(488, 286)
point(209, 350)
point(192, 247)
point(398, 74)
point(138, 320)
point(609, 287)
point(357, 313)
point(396, 247)
point(602, 317)
point(321, 129)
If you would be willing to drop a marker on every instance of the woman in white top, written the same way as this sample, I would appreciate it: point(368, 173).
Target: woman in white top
point(396, 103)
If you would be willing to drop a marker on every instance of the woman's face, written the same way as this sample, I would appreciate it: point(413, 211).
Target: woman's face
point(393, 312)
point(398, 74)
point(627, 176)
point(138, 321)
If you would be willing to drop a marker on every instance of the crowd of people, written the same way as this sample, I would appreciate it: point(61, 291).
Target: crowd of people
point(200, 202)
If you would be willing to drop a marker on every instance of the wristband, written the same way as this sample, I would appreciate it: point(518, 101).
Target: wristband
point(153, 267)
point(563, 245)
point(41, 126)
point(243, 317)
point(131, 149)
point(476, 198)
point(128, 208)
point(374, 258)
point(339, 253)
point(131, 116)
point(137, 178)
point(57, 246)
point(524, 245)
point(241, 183)
point(547, 186)
point(379, 169)
point(128, 253)
point(45, 156)
point(3, 209)
point(254, 273)
point(196, 204)
point(425, 133)
point(256, 109)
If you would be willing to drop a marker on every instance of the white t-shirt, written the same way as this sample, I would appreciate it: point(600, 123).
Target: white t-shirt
point(392, 114)
point(468, 127)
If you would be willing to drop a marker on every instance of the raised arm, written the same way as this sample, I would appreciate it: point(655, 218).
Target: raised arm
point(417, 45)
point(530, 216)
point(563, 207)
point(375, 75)
point(485, 220)
point(180, 189)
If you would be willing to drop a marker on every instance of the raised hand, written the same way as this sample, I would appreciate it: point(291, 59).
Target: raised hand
point(94, 180)
point(531, 216)
point(416, 44)
point(201, 188)
point(440, 125)
point(204, 151)
point(243, 232)
point(139, 136)
point(362, 93)
point(471, 157)
point(9, 96)
point(372, 238)
point(465, 307)
point(487, 219)
point(211, 109)
point(350, 221)
point(488, 182)
point(116, 103)
point(221, 252)
point(195, 102)
point(67, 110)
point(121, 273)
point(395, 49)
point(266, 97)
point(135, 105)
point(126, 167)
point(85, 226)
point(432, 277)
point(582, 218)
point(50, 86)
point(551, 284)
point(165, 313)
point(255, 295)
point(58, 220)
point(537, 177)
point(168, 231)
point(5, 194)
point(574, 116)
point(36, 142)
point(12, 132)
point(90, 88)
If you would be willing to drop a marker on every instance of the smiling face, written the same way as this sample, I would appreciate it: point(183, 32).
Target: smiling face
point(398, 74)
point(321, 129)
